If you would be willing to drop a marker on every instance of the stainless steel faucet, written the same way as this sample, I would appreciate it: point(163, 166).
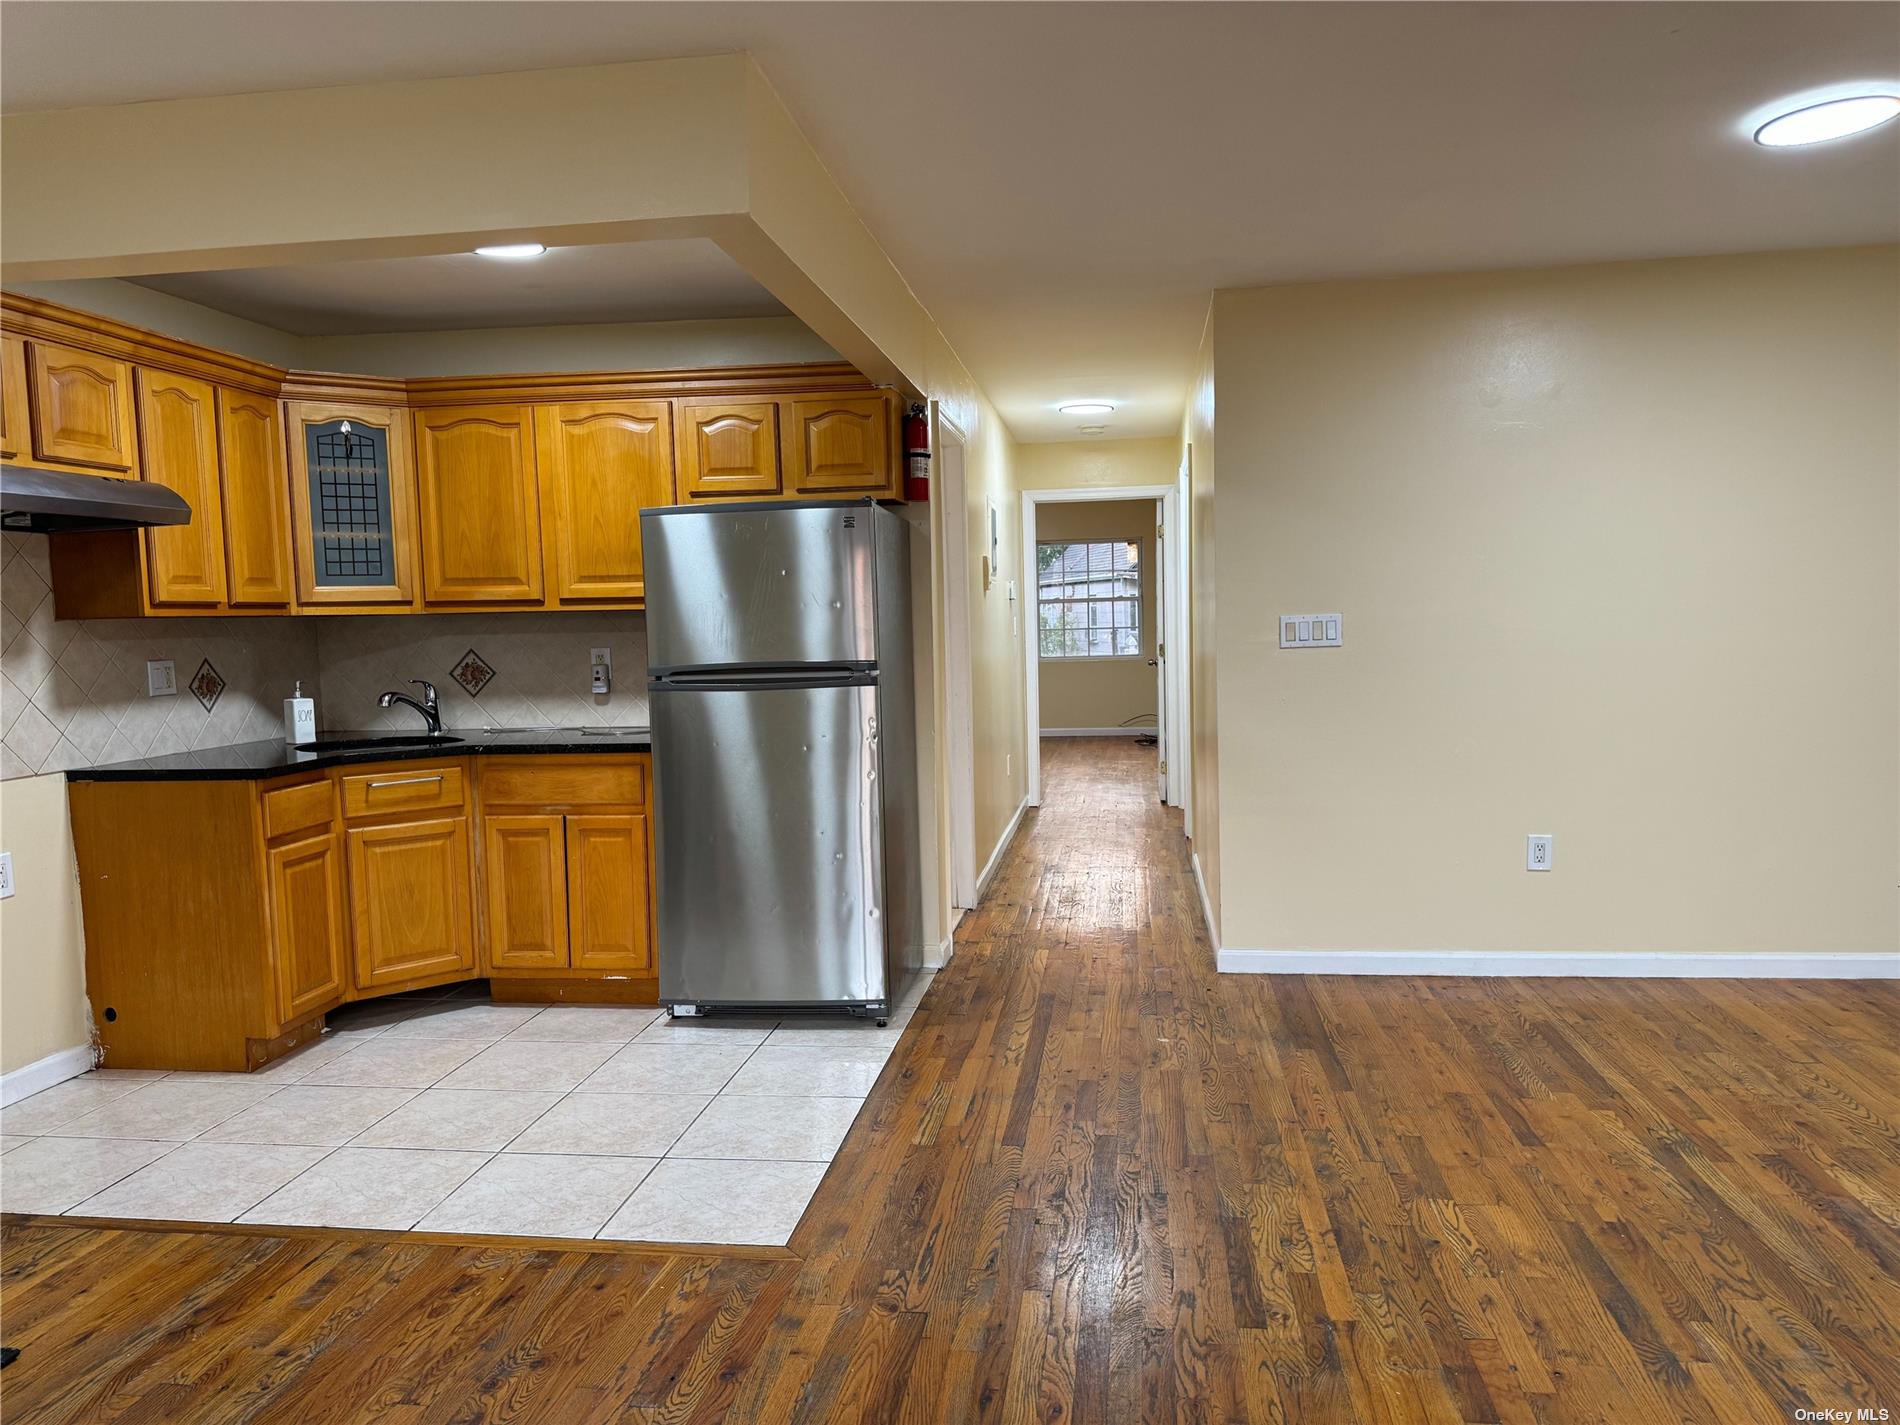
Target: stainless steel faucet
point(427, 707)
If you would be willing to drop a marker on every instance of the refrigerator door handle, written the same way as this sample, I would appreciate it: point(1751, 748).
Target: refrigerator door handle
point(795, 676)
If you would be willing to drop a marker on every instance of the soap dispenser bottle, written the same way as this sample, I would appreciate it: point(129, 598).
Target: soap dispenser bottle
point(300, 717)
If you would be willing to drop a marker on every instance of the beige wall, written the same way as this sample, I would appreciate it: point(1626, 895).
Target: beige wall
point(1616, 550)
point(1077, 464)
point(1100, 692)
point(42, 955)
point(1197, 440)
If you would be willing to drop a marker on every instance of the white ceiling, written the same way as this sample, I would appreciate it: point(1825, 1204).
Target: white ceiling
point(622, 282)
point(1062, 184)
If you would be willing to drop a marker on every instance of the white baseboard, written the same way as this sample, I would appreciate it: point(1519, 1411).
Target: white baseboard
point(1606, 964)
point(1098, 732)
point(937, 956)
point(1002, 845)
point(44, 1073)
point(1207, 907)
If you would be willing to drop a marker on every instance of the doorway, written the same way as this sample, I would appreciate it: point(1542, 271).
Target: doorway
point(1104, 610)
point(959, 718)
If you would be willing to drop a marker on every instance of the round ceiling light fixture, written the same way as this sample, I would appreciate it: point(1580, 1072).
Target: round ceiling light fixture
point(1088, 408)
point(1831, 119)
point(511, 251)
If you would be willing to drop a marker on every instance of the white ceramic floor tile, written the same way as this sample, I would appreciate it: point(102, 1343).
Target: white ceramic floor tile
point(521, 1064)
point(534, 1195)
point(104, 1076)
point(715, 1030)
point(451, 1020)
point(792, 1070)
point(667, 1068)
point(201, 1182)
point(742, 1204)
point(484, 1119)
point(627, 1125)
point(588, 1023)
point(367, 1187)
point(919, 987)
point(173, 1109)
point(864, 1034)
point(368, 1019)
point(287, 1070)
point(383, 1062)
point(54, 1174)
point(318, 1117)
point(62, 1103)
point(8, 1144)
point(734, 1126)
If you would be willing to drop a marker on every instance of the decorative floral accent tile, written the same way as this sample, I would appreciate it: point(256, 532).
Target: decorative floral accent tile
point(473, 672)
point(207, 685)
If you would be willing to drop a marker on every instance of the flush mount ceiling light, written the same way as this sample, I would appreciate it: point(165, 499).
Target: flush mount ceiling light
point(1087, 408)
point(513, 251)
point(1832, 119)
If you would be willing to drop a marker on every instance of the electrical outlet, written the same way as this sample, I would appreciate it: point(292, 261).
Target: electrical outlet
point(161, 680)
point(6, 874)
point(602, 666)
point(1537, 852)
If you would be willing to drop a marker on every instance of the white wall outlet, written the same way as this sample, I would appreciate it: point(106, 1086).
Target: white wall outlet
point(602, 664)
point(161, 679)
point(6, 874)
point(1312, 631)
point(1537, 852)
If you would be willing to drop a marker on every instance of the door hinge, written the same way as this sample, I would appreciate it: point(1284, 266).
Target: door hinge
point(1161, 650)
point(1164, 766)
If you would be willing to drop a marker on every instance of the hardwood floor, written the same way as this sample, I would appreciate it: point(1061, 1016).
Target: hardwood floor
point(1097, 1181)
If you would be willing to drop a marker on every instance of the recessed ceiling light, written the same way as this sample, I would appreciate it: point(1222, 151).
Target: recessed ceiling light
point(1087, 408)
point(514, 250)
point(1835, 119)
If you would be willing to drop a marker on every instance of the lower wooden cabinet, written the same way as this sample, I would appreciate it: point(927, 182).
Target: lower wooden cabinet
point(310, 933)
point(608, 911)
point(410, 896)
point(525, 879)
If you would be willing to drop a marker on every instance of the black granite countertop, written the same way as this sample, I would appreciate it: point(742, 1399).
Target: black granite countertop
point(255, 761)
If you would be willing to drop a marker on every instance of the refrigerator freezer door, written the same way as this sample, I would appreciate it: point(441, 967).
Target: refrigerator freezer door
point(769, 848)
point(758, 586)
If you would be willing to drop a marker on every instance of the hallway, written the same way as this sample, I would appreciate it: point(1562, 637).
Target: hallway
point(1099, 1182)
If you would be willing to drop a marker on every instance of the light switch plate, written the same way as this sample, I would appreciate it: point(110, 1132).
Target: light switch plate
point(6, 875)
point(1312, 631)
point(161, 680)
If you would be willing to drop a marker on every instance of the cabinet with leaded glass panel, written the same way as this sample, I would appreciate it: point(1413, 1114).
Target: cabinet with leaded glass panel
point(352, 494)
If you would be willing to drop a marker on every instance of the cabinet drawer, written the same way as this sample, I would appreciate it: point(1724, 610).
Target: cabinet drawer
point(593, 780)
point(291, 809)
point(402, 788)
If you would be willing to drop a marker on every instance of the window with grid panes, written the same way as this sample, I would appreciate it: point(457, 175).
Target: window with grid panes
point(1088, 598)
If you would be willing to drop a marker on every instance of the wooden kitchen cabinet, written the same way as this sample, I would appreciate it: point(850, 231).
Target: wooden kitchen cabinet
point(352, 504)
point(840, 445)
point(600, 464)
point(15, 425)
point(478, 505)
point(609, 914)
point(256, 500)
point(82, 410)
point(729, 449)
point(178, 430)
point(525, 880)
point(309, 924)
point(410, 912)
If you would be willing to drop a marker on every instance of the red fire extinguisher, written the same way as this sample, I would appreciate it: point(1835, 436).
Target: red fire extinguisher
point(916, 454)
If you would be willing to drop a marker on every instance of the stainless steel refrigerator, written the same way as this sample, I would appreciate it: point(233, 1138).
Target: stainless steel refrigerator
point(784, 756)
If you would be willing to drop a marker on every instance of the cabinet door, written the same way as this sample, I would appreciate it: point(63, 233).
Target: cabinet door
point(410, 901)
point(601, 463)
point(608, 893)
point(840, 445)
point(178, 434)
point(256, 500)
point(309, 929)
point(525, 871)
point(352, 510)
point(729, 449)
point(478, 505)
point(82, 409)
point(14, 439)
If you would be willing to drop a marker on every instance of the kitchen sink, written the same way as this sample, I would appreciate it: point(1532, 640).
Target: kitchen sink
point(362, 744)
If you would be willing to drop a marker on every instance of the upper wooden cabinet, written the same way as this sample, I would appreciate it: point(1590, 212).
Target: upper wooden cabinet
point(81, 410)
point(352, 503)
point(600, 463)
point(178, 431)
point(15, 427)
point(257, 558)
point(479, 505)
point(840, 445)
point(729, 449)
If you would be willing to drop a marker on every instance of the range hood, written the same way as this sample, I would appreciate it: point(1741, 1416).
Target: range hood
point(47, 502)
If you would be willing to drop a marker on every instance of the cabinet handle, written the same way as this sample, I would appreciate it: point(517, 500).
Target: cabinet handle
point(406, 782)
